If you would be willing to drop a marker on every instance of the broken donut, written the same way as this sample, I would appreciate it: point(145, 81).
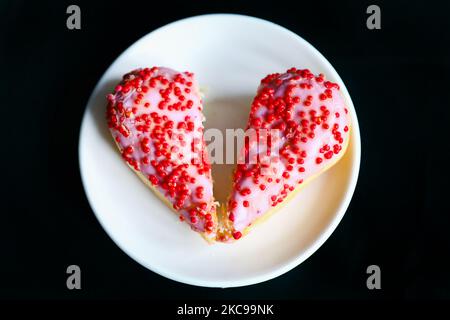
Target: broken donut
point(300, 128)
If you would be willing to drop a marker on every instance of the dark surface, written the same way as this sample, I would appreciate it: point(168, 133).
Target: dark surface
point(398, 78)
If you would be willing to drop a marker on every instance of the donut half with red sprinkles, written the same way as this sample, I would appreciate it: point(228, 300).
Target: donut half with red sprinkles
point(155, 117)
point(302, 128)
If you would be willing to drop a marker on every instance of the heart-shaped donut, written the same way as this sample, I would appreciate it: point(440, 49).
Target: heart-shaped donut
point(298, 127)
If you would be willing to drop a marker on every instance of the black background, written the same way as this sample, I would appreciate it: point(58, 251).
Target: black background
point(398, 78)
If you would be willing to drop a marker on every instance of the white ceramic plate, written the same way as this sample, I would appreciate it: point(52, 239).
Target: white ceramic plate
point(229, 55)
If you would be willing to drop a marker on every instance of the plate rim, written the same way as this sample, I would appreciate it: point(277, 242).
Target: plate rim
point(322, 236)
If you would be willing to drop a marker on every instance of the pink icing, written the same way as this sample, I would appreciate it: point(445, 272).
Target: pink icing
point(276, 106)
point(155, 116)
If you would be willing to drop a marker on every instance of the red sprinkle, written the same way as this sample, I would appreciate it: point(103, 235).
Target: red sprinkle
point(237, 235)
